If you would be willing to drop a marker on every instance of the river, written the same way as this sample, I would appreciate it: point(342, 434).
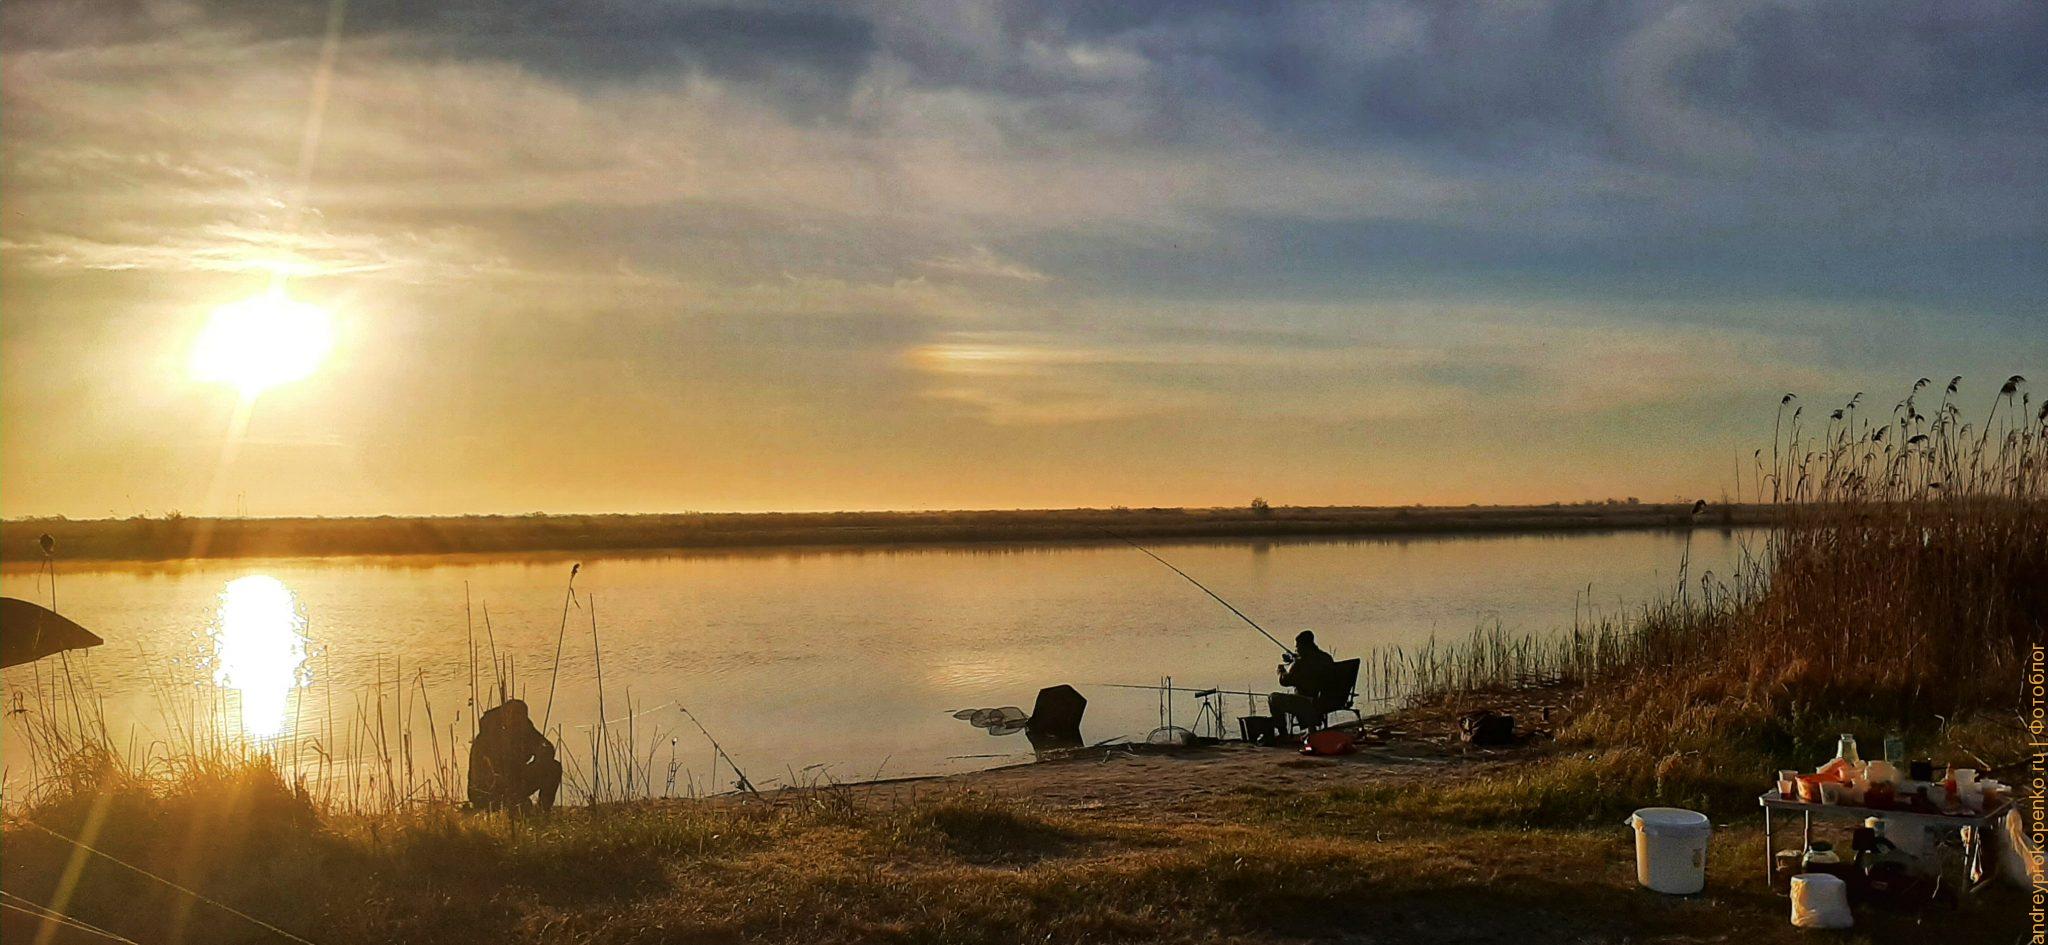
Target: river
point(804, 664)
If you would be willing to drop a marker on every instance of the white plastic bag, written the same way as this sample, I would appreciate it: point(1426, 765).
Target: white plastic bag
point(1820, 901)
point(2017, 854)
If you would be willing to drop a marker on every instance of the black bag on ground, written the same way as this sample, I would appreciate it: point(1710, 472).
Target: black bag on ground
point(1485, 727)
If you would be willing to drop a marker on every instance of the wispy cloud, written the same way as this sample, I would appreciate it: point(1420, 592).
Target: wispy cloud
point(982, 261)
point(255, 249)
point(1371, 365)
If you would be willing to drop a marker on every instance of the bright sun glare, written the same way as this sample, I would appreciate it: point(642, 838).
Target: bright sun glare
point(259, 343)
point(259, 646)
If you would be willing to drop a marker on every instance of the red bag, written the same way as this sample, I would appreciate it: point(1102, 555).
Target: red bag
point(1328, 742)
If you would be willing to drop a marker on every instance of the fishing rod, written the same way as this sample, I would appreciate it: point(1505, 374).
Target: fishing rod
point(1187, 689)
point(1199, 693)
point(744, 784)
point(568, 597)
point(1204, 588)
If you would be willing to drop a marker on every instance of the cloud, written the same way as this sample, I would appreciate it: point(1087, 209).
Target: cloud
point(1031, 227)
point(1666, 125)
point(818, 49)
point(1347, 364)
point(219, 247)
point(982, 261)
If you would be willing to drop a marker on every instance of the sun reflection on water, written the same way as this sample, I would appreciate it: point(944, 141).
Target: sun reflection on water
point(259, 648)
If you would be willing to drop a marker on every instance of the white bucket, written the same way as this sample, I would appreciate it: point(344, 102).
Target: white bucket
point(1671, 849)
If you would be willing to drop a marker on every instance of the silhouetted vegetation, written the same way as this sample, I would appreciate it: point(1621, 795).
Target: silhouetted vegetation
point(159, 539)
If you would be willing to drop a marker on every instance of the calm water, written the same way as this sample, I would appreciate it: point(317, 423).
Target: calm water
point(844, 662)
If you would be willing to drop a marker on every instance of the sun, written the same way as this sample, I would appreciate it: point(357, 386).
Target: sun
point(259, 343)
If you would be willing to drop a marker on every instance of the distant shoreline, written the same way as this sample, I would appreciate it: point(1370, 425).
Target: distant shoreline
point(164, 539)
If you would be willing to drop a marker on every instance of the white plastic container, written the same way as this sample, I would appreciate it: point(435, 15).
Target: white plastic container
point(1671, 849)
point(1820, 901)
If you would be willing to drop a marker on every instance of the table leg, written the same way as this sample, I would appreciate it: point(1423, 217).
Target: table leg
point(1973, 858)
point(1806, 835)
point(1770, 852)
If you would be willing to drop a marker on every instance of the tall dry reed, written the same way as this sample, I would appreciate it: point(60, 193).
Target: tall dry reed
point(1903, 581)
point(377, 750)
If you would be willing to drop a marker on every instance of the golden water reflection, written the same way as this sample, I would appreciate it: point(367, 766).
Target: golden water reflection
point(259, 648)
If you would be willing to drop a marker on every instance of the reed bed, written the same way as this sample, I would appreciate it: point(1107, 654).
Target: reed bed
point(1903, 582)
point(1596, 647)
point(378, 750)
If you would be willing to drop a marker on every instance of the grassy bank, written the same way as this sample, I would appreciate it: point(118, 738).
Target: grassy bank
point(1472, 858)
point(175, 537)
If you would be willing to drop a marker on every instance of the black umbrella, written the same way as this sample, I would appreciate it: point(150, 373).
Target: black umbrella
point(29, 632)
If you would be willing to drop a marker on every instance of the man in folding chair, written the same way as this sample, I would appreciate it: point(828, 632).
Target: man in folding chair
point(1318, 683)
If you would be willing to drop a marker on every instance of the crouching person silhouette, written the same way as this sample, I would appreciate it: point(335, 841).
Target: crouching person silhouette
point(511, 762)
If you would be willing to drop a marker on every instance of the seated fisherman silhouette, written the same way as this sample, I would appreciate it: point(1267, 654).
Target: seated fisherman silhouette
point(511, 761)
point(1313, 675)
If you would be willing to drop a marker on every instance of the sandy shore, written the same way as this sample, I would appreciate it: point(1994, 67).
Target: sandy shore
point(1122, 781)
point(1417, 746)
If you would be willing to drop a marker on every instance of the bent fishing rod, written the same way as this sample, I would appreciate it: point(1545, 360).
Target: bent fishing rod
point(1205, 589)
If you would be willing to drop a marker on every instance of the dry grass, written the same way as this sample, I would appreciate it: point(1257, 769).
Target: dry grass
point(1905, 586)
point(947, 867)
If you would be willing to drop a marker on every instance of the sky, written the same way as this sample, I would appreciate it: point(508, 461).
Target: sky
point(605, 255)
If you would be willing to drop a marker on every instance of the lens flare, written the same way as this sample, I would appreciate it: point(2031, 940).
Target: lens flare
point(259, 647)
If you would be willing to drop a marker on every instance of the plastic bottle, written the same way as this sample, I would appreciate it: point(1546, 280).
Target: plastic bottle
point(1846, 751)
point(1857, 788)
point(1895, 749)
point(1882, 780)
